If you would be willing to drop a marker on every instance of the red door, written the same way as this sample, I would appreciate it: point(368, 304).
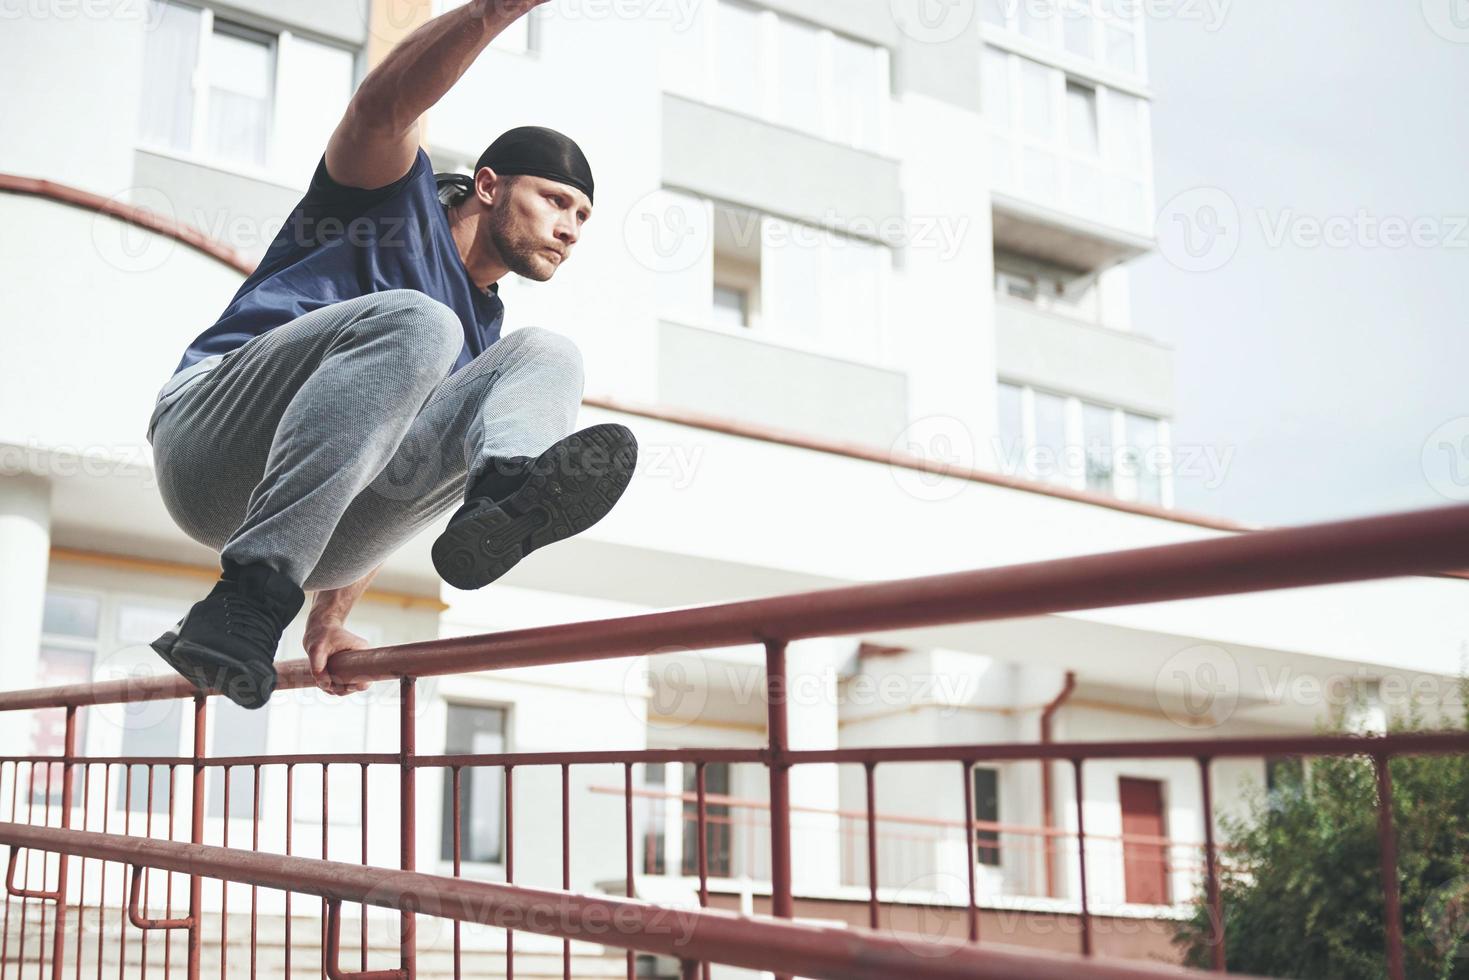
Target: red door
point(1144, 853)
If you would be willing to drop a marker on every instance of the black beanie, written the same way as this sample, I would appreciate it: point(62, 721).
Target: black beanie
point(540, 152)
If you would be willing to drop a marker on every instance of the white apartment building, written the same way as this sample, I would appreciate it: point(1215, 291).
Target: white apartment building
point(862, 226)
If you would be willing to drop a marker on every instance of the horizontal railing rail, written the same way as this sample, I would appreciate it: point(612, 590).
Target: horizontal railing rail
point(1423, 542)
point(1418, 542)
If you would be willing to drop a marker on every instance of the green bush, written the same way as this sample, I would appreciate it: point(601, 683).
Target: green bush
point(1301, 883)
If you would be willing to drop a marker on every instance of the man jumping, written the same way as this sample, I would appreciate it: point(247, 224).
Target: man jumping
point(357, 386)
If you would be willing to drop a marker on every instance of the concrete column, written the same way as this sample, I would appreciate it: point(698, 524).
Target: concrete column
point(812, 717)
point(25, 550)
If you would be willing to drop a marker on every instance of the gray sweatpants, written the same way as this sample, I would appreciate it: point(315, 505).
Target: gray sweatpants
point(321, 446)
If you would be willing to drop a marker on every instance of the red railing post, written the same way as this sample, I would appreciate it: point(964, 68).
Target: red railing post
point(70, 742)
point(1388, 846)
point(1211, 871)
point(407, 746)
point(971, 908)
point(196, 836)
point(1086, 912)
point(780, 779)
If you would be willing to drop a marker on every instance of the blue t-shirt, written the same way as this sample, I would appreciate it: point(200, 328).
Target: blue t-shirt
point(340, 243)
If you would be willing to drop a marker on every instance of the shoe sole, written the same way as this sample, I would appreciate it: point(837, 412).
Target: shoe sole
point(571, 486)
point(249, 685)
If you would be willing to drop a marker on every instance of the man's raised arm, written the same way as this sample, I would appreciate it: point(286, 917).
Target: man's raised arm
point(377, 139)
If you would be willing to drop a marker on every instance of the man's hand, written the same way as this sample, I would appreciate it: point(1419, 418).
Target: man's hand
point(324, 639)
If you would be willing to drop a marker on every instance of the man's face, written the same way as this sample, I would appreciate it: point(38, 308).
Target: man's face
point(534, 222)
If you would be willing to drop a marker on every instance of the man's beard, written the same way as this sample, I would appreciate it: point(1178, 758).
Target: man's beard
point(519, 257)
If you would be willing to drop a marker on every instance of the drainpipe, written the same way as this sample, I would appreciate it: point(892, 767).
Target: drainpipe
point(1047, 810)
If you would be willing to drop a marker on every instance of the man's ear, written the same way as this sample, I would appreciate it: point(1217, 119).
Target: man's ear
point(488, 184)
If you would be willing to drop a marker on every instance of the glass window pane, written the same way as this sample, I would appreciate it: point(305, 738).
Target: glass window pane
point(1124, 135)
point(241, 76)
point(1078, 30)
point(1049, 457)
point(859, 90)
point(479, 730)
point(303, 125)
point(1096, 424)
point(987, 810)
point(790, 286)
point(1081, 118)
point(852, 293)
point(1037, 19)
point(169, 58)
point(71, 615)
point(738, 77)
point(1010, 427)
point(718, 823)
point(1035, 99)
point(995, 81)
point(1121, 48)
point(1143, 457)
point(994, 12)
point(800, 77)
point(729, 307)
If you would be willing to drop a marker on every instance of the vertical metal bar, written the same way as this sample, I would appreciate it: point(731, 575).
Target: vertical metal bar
point(106, 828)
point(254, 890)
point(1211, 870)
point(122, 905)
point(1086, 912)
point(290, 820)
point(457, 845)
point(701, 811)
point(780, 782)
point(325, 821)
point(627, 845)
point(14, 799)
point(407, 824)
point(168, 877)
point(971, 910)
point(1388, 846)
point(362, 922)
point(509, 864)
point(224, 888)
point(196, 836)
point(82, 886)
point(566, 859)
point(872, 909)
point(45, 867)
point(58, 953)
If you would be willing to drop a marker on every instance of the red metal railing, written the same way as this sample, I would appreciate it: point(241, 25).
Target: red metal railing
point(1423, 542)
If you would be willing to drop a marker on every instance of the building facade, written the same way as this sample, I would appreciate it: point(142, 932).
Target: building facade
point(824, 233)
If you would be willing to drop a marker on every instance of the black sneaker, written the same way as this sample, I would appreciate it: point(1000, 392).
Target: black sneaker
point(227, 640)
point(562, 492)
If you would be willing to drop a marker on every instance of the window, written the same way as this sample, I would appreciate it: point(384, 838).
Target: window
point(1081, 118)
point(150, 728)
point(987, 811)
point(240, 73)
point(1077, 25)
point(1063, 440)
point(1096, 422)
point(731, 307)
point(238, 731)
point(718, 827)
point(1036, 18)
point(655, 823)
point(795, 73)
point(69, 628)
point(1046, 286)
point(209, 89)
point(480, 730)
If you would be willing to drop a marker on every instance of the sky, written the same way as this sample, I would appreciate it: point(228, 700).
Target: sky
point(1312, 180)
